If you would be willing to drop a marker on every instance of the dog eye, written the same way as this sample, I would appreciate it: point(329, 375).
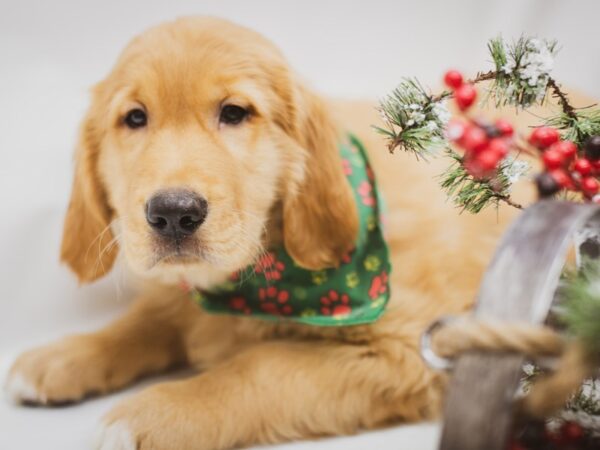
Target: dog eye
point(136, 118)
point(232, 114)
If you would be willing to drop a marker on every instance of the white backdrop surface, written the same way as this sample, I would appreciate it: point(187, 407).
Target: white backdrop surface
point(51, 52)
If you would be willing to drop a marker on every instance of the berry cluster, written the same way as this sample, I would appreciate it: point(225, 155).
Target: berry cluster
point(485, 145)
point(464, 93)
point(537, 435)
point(564, 168)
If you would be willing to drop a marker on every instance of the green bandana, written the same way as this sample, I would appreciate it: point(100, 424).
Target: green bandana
point(354, 293)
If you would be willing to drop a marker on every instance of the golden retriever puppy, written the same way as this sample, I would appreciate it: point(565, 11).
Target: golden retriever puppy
point(202, 150)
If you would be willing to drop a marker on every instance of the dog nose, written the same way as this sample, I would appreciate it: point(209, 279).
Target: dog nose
point(176, 213)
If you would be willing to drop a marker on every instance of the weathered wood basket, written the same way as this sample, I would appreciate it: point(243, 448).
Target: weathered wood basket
point(519, 285)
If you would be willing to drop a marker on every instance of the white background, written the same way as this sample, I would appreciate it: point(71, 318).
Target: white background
point(52, 51)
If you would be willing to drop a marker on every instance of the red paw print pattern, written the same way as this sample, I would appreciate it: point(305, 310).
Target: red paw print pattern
point(274, 301)
point(334, 304)
point(365, 190)
point(239, 304)
point(378, 285)
point(347, 167)
point(270, 267)
point(347, 257)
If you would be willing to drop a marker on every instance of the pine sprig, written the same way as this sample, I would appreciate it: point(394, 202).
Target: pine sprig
point(522, 71)
point(580, 305)
point(472, 194)
point(586, 399)
point(578, 125)
point(414, 119)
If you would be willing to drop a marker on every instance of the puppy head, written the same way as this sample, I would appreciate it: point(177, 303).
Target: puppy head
point(194, 142)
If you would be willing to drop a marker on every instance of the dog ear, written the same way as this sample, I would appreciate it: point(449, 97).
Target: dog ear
point(87, 243)
point(320, 217)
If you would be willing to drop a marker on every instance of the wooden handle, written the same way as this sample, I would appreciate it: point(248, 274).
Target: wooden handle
point(518, 285)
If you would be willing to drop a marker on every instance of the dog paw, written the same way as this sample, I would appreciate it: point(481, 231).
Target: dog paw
point(116, 436)
point(59, 373)
point(165, 416)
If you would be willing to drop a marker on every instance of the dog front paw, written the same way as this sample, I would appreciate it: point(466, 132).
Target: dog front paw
point(115, 436)
point(166, 416)
point(59, 373)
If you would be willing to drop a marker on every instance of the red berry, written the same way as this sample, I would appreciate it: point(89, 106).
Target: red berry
point(498, 146)
point(487, 160)
point(554, 437)
point(544, 137)
point(465, 96)
point(553, 159)
point(453, 79)
point(474, 139)
point(589, 185)
point(567, 148)
point(571, 431)
point(583, 167)
point(562, 178)
point(504, 127)
point(546, 185)
point(472, 167)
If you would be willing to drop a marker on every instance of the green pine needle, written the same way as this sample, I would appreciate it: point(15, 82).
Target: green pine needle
point(586, 398)
point(578, 126)
point(521, 70)
point(471, 194)
point(414, 119)
point(580, 307)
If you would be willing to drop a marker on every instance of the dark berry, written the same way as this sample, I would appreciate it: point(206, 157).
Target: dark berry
point(592, 148)
point(571, 431)
point(546, 185)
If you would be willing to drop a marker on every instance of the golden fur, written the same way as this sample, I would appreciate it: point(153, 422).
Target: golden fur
point(278, 172)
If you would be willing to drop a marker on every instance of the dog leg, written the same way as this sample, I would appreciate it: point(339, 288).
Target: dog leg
point(147, 339)
point(277, 391)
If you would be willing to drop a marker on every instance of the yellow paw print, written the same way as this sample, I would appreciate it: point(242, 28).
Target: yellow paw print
point(308, 312)
point(371, 222)
point(352, 280)
point(372, 263)
point(319, 277)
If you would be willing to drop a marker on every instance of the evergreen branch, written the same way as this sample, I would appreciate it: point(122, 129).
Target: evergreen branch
point(485, 76)
point(522, 70)
point(508, 200)
point(567, 108)
point(586, 399)
point(578, 125)
point(414, 119)
point(580, 305)
point(472, 194)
